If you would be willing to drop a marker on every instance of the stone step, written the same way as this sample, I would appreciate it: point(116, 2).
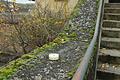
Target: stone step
point(113, 43)
point(111, 32)
point(111, 16)
point(109, 56)
point(112, 5)
point(112, 10)
point(111, 23)
point(108, 67)
point(106, 71)
point(110, 52)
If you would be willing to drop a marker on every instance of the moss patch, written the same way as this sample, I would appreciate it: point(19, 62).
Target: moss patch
point(7, 71)
point(72, 72)
point(13, 66)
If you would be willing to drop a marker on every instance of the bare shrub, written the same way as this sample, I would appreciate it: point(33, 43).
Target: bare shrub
point(33, 30)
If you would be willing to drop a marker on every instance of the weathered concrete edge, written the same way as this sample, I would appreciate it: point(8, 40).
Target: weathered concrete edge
point(13, 66)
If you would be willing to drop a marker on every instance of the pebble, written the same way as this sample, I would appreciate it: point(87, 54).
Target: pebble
point(56, 70)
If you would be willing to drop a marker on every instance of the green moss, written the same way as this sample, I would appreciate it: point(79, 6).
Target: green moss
point(73, 34)
point(66, 29)
point(27, 56)
point(13, 66)
point(63, 38)
point(72, 72)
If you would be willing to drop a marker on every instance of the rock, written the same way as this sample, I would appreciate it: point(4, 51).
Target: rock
point(70, 52)
point(38, 77)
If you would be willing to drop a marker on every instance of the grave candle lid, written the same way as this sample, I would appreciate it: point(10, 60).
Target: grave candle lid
point(53, 56)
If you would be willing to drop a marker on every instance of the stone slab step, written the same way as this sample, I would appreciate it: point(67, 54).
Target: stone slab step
point(111, 16)
point(106, 71)
point(109, 55)
point(113, 43)
point(111, 10)
point(112, 5)
point(110, 52)
point(111, 23)
point(111, 32)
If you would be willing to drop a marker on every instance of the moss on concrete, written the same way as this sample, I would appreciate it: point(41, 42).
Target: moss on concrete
point(13, 66)
point(7, 71)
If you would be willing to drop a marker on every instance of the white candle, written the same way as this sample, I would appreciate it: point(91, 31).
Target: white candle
point(53, 56)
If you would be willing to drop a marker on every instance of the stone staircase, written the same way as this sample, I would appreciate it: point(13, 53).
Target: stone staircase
point(109, 54)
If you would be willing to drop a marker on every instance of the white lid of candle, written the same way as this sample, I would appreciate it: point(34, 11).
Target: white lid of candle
point(53, 56)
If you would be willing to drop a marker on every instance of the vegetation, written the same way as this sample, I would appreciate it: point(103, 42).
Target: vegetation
point(23, 33)
point(30, 32)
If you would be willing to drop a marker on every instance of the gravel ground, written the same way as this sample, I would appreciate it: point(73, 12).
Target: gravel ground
point(71, 53)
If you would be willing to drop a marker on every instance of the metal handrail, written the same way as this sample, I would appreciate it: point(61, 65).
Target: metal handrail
point(82, 69)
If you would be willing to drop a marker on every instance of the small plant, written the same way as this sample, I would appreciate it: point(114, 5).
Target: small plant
point(31, 31)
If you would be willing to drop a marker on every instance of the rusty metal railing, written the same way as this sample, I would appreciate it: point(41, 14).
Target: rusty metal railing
point(88, 66)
